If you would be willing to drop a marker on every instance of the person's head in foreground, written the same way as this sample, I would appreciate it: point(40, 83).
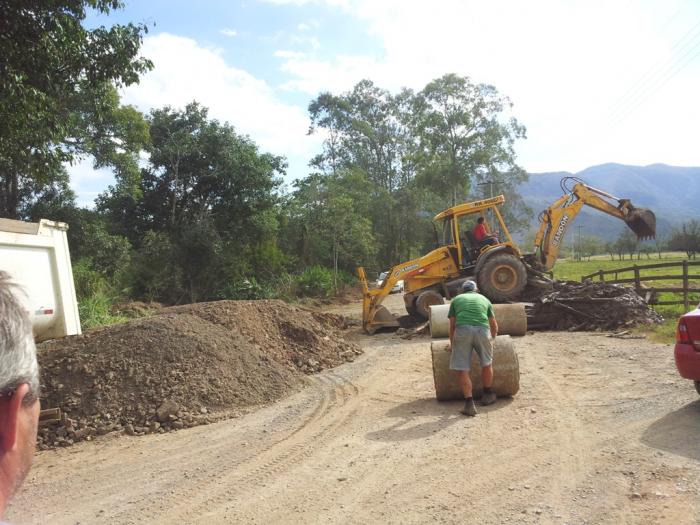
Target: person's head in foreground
point(19, 393)
point(468, 286)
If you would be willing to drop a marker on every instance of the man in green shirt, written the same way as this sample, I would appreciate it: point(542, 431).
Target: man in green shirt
point(471, 319)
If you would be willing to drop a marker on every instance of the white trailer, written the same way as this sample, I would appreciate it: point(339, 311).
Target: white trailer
point(36, 256)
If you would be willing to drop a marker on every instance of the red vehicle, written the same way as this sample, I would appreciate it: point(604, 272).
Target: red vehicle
point(687, 351)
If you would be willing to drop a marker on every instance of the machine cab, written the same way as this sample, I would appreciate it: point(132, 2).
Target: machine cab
point(458, 224)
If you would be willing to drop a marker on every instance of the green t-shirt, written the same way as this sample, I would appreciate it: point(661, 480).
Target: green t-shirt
point(471, 309)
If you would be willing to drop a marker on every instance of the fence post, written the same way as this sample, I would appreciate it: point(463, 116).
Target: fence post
point(685, 284)
point(637, 283)
point(600, 275)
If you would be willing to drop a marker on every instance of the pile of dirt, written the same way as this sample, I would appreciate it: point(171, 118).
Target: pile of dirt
point(184, 366)
point(589, 306)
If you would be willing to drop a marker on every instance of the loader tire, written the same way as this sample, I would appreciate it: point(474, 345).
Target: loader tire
point(411, 309)
point(425, 300)
point(502, 278)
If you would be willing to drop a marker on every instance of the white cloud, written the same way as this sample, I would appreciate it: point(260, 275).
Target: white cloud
point(286, 53)
point(308, 25)
point(185, 71)
point(229, 32)
point(565, 65)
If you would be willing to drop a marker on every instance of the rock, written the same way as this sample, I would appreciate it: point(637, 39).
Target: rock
point(167, 409)
point(129, 429)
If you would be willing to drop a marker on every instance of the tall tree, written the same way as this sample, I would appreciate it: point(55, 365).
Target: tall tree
point(464, 136)
point(365, 130)
point(686, 238)
point(328, 221)
point(57, 90)
point(207, 193)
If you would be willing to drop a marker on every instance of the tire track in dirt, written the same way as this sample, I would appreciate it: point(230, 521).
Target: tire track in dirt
point(227, 487)
point(230, 455)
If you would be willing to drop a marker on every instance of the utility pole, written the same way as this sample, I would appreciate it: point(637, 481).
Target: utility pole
point(490, 183)
point(580, 245)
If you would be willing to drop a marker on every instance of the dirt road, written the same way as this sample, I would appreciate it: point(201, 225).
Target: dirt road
point(602, 431)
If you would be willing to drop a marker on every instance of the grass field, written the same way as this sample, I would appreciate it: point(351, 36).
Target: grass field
point(573, 270)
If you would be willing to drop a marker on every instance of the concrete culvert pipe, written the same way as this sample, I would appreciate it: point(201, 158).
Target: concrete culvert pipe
point(506, 370)
point(511, 318)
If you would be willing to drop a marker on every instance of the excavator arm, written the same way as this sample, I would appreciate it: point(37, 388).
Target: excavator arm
point(555, 220)
point(374, 315)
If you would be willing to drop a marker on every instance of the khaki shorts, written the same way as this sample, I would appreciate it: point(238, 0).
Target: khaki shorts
point(466, 339)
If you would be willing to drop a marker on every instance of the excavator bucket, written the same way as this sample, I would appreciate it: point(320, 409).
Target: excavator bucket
point(642, 222)
point(382, 318)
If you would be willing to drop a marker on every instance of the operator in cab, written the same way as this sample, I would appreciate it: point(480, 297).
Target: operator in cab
point(482, 235)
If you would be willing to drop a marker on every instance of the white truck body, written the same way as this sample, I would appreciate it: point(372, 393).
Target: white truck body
point(36, 256)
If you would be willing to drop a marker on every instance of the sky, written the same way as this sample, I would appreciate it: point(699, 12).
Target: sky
point(592, 81)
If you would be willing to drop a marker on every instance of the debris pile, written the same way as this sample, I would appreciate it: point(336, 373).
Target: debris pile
point(589, 306)
point(184, 366)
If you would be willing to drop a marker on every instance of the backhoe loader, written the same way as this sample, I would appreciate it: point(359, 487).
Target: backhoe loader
point(501, 270)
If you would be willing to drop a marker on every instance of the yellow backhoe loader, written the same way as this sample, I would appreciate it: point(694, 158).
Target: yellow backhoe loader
point(501, 270)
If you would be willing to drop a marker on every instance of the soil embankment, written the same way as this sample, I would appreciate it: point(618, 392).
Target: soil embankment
point(184, 366)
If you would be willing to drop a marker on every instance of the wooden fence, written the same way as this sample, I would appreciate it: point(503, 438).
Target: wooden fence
point(639, 278)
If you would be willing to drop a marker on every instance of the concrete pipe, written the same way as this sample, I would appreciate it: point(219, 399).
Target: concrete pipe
point(506, 370)
point(511, 318)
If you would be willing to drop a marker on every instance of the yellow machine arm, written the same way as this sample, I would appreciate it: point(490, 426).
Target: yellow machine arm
point(555, 220)
point(374, 315)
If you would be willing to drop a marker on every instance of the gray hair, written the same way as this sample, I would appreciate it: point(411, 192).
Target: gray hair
point(18, 363)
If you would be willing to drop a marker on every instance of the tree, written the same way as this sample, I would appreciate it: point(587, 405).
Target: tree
point(365, 130)
point(686, 239)
point(626, 243)
point(462, 136)
point(328, 223)
point(207, 196)
point(57, 92)
point(590, 245)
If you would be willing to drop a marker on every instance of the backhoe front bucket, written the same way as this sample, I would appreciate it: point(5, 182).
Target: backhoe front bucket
point(382, 318)
point(642, 222)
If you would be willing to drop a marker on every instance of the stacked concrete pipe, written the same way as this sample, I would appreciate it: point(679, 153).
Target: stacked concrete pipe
point(506, 370)
point(512, 320)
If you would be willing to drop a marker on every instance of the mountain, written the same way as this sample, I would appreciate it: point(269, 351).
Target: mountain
point(671, 192)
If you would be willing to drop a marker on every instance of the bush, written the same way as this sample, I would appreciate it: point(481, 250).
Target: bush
point(315, 281)
point(96, 296)
point(153, 274)
point(244, 289)
point(346, 279)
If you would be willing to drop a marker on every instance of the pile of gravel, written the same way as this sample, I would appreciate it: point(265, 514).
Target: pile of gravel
point(184, 366)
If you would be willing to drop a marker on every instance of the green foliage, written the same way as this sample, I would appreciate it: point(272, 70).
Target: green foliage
point(315, 281)
point(204, 214)
point(58, 92)
point(96, 297)
point(462, 136)
point(686, 238)
point(413, 154)
point(154, 275)
point(248, 289)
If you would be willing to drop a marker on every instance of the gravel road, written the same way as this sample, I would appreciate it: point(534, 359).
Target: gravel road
point(602, 431)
